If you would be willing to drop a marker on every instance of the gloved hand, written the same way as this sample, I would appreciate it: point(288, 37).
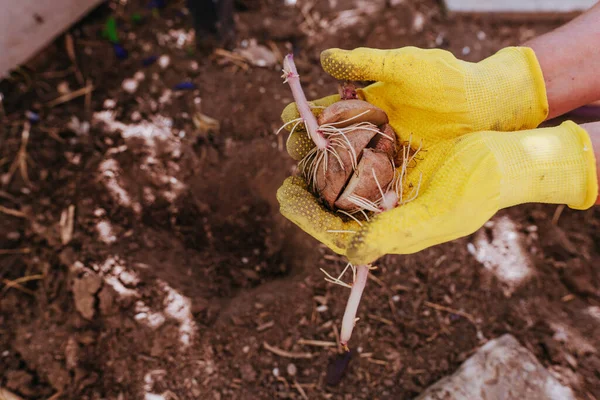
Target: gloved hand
point(465, 181)
point(431, 95)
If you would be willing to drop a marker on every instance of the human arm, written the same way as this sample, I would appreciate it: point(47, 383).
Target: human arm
point(570, 61)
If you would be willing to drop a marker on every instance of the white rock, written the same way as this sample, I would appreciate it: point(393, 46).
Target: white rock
point(109, 104)
point(139, 76)
point(418, 22)
point(130, 85)
point(502, 369)
point(291, 369)
point(164, 61)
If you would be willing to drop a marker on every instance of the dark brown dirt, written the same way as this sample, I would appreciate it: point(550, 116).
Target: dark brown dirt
point(180, 271)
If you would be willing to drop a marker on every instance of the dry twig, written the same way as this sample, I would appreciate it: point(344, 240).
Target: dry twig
point(24, 250)
point(317, 343)
point(66, 224)
point(21, 158)
point(300, 390)
point(16, 284)
point(557, 214)
point(70, 96)
point(13, 212)
point(451, 310)
point(284, 353)
point(70, 47)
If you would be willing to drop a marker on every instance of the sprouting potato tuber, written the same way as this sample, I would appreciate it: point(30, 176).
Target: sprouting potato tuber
point(341, 134)
point(348, 112)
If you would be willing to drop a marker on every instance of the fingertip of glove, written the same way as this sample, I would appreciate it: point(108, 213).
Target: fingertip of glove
point(336, 62)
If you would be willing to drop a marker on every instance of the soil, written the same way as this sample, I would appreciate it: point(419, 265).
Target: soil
point(145, 255)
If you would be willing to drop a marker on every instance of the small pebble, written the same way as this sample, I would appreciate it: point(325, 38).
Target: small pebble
point(245, 260)
point(63, 87)
point(13, 235)
point(276, 371)
point(109, 104)
point(395, 298)
point(418, 22)
point(136, 116)
point(439, 40)
point(322, 308)
point(139, 76)
point(246, 349)
point(130, 85)
point(291, 369)
point(471, 248)
point(466, 50)
point(164, 61)
point(481, 35)
point(194, 65)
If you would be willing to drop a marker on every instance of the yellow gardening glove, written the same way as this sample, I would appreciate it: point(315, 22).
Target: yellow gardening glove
point(465, 181)
point(433, 95)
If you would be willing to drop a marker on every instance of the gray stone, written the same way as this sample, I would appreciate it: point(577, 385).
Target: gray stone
point(502, 369)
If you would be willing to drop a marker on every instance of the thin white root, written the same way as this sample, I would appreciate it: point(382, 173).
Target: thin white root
point(293, 121)
point(338, 280)
point(364, 204)
point(349, 319)
point(351, 216)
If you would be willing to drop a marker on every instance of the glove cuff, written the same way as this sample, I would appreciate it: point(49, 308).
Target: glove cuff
point(547, 165)
point(506, 91)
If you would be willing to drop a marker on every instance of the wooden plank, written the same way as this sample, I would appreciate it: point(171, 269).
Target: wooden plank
point(518, 6)
point(27, 26)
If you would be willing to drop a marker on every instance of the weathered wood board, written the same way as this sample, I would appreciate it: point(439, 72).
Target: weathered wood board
point(519, 8)
point(27, 26)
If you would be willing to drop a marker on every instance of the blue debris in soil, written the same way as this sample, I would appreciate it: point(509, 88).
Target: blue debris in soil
point(120, 52)
point(156, 4)
point(32, 117)
point(149, 60)
point(185, 86)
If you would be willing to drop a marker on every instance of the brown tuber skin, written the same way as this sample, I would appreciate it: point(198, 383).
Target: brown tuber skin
point(331, 182)
point(362, 183)
point(383, 144)
point(348, 112)
point(341, 133)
